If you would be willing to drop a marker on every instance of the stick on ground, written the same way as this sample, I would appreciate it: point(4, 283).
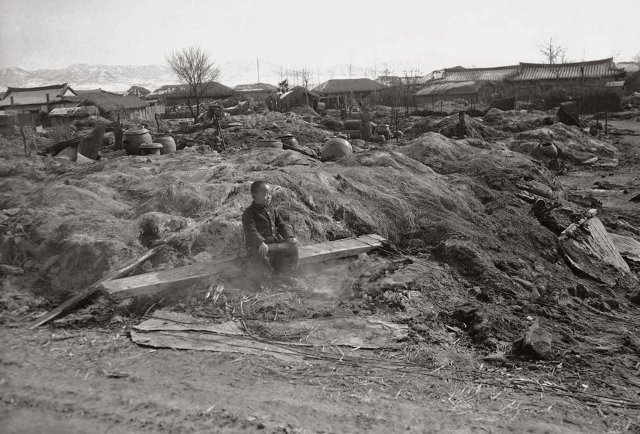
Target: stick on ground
point(93, 288)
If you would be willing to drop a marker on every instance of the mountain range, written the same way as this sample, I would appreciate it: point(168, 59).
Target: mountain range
point(86, 76)
point(121, 77)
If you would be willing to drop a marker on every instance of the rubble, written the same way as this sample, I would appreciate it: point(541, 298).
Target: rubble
point(479, 258)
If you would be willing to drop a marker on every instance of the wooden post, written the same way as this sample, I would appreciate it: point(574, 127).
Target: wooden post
point(27, 153)
point(366, 124)
point(461, 125)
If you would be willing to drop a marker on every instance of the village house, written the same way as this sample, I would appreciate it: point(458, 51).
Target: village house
point(36, 100)
point(575, 78)
point(113, 105)
point(475, 85)
point(632, 78)
point(525, 82)
point(348, 91)
point(473, 92)
point(178, 94)
point(298, 96)
point(257, 91)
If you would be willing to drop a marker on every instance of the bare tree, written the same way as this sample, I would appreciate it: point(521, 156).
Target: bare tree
point(304, 75)
point(409, 86)
point(194, 67)
point(553, 52)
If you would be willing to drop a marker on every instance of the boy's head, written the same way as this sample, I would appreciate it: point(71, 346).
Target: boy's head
point(261, 193)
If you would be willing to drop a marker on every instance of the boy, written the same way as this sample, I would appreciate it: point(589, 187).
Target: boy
point(264, 230)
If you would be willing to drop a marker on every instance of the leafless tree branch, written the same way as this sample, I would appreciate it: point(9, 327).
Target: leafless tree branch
point(194, 67)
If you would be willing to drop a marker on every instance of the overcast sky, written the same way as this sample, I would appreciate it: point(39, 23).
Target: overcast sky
point(56, 33)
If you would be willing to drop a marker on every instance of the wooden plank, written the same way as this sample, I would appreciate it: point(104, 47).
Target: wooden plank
point(628, 247)
point(591, 249)
point(182, 277)
point(93, 288)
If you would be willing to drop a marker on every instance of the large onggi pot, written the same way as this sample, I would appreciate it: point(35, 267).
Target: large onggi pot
point(549, 150)
point(289, 141)
point(335, 148)
point(133, 138)
point(168, 144)
point(353, 124)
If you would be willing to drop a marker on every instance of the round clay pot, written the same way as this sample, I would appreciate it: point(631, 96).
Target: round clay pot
point(133, 138)
point(168, 144)
point(269, 143)
point(549, 150)
point(289, 141)
point(335, 148)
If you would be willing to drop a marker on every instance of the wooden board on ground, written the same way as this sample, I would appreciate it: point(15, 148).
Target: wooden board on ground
point(92, 289)
point(629, 247)
point(590, 250)
point(182, 277)
point(183, 331)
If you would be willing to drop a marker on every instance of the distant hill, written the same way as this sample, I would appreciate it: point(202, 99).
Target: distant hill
point(85, 76)
point(119, 78)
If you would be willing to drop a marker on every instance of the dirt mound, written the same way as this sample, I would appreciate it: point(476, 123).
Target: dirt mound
point(432, 146)
point(575, 144)
point(304, 110)
point(516, 121)
point(473, 269)
point(449, 127)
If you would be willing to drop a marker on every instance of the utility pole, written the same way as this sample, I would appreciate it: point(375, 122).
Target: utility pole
point(258, 64)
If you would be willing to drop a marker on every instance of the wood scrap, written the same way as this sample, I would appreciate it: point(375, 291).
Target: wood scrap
point(589, 250)
point(628, 247)
point(92, 289)
point(629, 227)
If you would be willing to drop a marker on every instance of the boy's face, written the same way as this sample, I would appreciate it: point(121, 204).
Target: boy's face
point(263, 195)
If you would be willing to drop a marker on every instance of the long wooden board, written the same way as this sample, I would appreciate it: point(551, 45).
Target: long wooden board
point(182, 277)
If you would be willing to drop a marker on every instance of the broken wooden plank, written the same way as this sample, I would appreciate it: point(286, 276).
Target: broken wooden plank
point(93, 288)
point(182, 277)
point(628, 247)
point(589, 248)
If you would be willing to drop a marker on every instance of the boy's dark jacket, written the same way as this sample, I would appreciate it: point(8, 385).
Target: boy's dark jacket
point(263, 224)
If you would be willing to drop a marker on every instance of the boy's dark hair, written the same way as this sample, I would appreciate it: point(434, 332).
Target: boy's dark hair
point(256, 185)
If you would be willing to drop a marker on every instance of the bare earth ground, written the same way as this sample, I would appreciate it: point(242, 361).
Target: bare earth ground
point(87, 375)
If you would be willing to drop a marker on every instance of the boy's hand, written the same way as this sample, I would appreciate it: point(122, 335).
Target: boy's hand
point(263, 249)
point(293, 240)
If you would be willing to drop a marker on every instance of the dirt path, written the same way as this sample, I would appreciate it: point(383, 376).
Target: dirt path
point(66, 382)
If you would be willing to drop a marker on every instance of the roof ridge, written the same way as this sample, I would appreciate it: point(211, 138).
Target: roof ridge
point(27, 89)
point(488, 68)
point(555, 65)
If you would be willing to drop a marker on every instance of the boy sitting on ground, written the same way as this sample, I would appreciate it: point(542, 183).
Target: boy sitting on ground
point(264, 233)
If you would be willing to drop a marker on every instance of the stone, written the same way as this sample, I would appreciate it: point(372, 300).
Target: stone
point(535, 344)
